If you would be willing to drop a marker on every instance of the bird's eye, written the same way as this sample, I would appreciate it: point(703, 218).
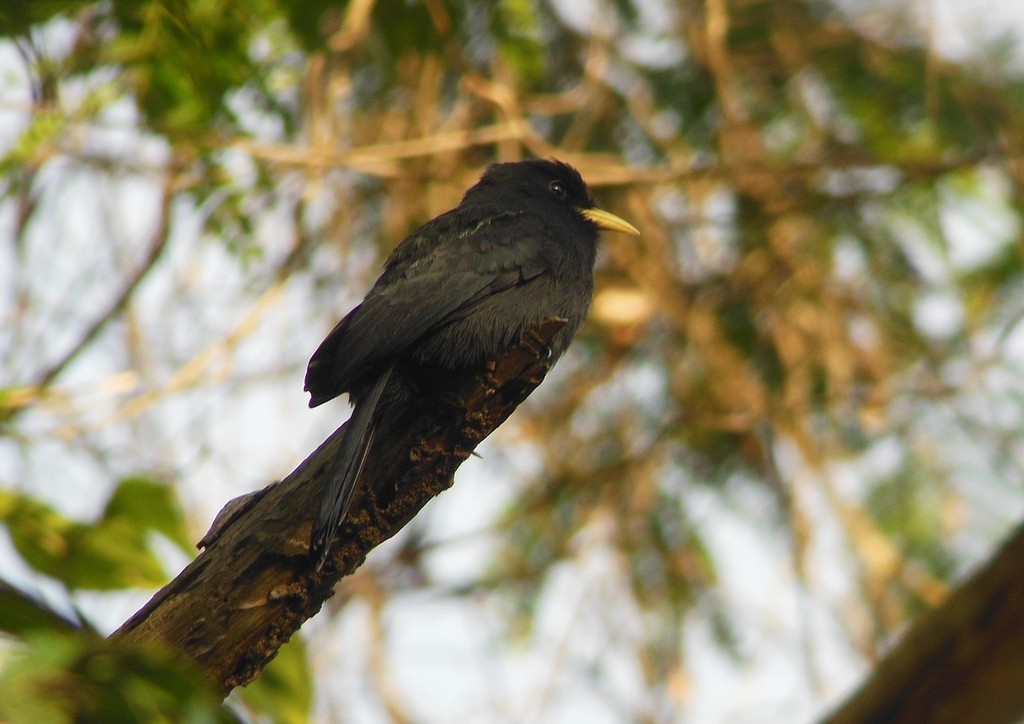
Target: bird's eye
point(557, 189)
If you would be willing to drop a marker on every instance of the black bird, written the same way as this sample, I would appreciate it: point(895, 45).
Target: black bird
point(518, 249)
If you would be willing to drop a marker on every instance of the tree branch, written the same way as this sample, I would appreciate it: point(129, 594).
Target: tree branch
point(254, 584)
point(960, 662)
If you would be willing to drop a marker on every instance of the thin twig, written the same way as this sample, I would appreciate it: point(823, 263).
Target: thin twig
point(156, 249)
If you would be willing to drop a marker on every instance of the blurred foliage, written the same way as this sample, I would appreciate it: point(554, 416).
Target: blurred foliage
point(108, 553)
point(22, 614)
point(826, 289)
point(284, 691)
point(55, 670)
point(61, 677)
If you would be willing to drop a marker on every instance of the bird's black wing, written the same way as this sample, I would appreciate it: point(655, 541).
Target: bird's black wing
point(433, 277)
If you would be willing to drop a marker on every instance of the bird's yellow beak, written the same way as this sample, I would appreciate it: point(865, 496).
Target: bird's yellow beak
point(610, 222)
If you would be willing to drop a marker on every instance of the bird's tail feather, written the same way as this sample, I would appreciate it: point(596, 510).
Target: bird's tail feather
point(337, 495)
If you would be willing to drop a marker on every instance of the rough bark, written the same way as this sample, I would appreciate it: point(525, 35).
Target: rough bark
point(254, 584)
point(962, 662)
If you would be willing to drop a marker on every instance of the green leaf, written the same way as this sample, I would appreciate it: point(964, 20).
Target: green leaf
point(39, 533)
point(83, 678)
point(17, 17)
point(21, 613)
point(516, 30)
point(110, 555)
point(151, 504)
point(284, 691)
point(114, 552)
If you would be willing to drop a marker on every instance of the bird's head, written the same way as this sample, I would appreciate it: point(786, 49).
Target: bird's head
point(547, 184)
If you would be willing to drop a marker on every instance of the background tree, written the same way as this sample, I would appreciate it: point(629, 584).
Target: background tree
point(788, 428)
